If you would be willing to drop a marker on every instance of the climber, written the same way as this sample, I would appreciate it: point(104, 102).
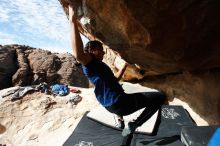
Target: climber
point(107, 89)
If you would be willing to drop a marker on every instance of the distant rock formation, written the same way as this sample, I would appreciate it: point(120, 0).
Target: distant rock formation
point(8, 66)
point(23, 65)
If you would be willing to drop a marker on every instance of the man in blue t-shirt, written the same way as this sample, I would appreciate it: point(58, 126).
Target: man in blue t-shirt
point(107, 89)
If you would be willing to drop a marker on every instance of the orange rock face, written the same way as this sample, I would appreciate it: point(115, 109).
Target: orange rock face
point(163, 38)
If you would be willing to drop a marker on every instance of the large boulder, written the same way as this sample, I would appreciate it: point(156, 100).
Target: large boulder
point(161, 39)
point(160, 36)
point(7, 65)
point(23, 65)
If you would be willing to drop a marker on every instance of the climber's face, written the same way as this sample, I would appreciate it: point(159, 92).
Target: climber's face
point(98, 53)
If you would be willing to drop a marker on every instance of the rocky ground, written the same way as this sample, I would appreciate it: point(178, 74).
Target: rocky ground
point(39, 119)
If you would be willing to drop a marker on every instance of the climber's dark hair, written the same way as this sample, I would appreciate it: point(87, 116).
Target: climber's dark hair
point(92, 45)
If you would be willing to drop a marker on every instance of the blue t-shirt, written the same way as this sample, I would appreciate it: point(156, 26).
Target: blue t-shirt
point(107, 88)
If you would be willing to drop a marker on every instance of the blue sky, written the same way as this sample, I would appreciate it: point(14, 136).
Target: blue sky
point(36, 23)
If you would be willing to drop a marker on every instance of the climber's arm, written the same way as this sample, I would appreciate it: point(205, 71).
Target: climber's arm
point(76, 41)
point(120, 72)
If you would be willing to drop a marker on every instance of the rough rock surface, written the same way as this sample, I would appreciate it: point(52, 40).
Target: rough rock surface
point(162, 38)
point(199, 90)
point(41, 120)
point(23, 65)
point(7, 66)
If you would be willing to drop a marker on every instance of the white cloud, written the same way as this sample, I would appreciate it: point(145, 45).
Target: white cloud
point(3, 15)
point(6, 39)
point(4, 12)
point(37, 21)
point(44, 17)
point(35, 18)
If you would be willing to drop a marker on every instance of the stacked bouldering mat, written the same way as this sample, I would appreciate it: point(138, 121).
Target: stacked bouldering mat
point(101, 115)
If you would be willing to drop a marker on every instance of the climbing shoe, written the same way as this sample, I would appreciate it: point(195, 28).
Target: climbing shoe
point(130, 130)
point(121, 124)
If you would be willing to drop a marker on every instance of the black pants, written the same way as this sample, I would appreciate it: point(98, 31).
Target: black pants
point(130, 103)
